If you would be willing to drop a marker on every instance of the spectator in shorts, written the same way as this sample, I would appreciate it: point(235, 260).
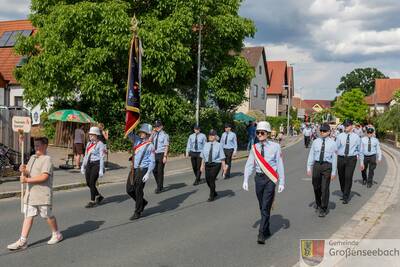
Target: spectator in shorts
point(79, 140)
point(38, 175)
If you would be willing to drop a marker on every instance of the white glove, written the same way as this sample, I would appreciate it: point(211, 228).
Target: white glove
point(281, 187)
point(101, 173)
point(145, 177)
point(83, 170)
point(245, 186)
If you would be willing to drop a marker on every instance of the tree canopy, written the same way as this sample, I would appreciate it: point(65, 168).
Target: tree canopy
point(363, 78)
point(351, 105)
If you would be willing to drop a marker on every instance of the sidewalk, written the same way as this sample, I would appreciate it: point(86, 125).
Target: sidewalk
point(117, 172)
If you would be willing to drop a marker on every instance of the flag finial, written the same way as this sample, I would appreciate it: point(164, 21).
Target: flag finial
point(134, 25)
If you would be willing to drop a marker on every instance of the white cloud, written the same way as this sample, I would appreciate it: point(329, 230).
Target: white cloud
point(14, 9)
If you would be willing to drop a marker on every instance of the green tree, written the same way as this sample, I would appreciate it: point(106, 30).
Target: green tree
point(78, 57)
point(351, 105)
point(390, 119)
point(363, 78)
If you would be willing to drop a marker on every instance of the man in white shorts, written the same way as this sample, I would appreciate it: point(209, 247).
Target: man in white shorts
point(38, 175)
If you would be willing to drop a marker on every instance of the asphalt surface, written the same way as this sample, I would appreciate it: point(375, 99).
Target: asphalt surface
point(179, 227)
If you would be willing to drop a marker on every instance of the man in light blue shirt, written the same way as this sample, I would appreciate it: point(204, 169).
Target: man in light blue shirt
point(348, 150)
point(143, 165)
point(307, 132)
point(195, 145)
point(213, 158)
point(321, 165)
point(229, 144)
point(265, 187)
point(370, 153)
point(160, 141)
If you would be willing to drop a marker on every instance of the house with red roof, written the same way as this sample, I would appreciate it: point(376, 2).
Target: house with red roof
point(256, 91)
point(308, 107)
point(281, 87)
point(11, 92)
point(382, 98)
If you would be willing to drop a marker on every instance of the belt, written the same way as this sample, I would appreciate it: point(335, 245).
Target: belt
point(323, 162)
point(370, 156)
point(347, 156)
point(94, 162)
point(140, 169)
point(260, 174)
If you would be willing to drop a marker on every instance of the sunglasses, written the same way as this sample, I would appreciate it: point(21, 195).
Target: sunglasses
point(260, 133)
point(323, 131)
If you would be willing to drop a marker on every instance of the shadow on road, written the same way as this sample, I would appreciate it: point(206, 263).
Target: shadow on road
point(352, 194)
point(225, 193)
point(331, 205)
point(174, 186)
point(168, 204)
point(277, 222)
point(117, 199)
point(74, 231)
point(359, 181)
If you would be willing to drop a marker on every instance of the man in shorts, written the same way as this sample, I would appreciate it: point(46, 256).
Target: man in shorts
point(38, 175)
point(79, 147)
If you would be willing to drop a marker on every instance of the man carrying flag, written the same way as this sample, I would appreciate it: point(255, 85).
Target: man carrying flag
point(266, 158)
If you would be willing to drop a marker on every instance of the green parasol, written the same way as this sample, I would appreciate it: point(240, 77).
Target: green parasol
point(71, 115)
point(243, 117)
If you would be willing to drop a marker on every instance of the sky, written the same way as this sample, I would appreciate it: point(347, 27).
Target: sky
point(323, 39)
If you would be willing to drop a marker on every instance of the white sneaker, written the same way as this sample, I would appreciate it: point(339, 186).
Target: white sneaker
point(18, 245)
point(55, 239)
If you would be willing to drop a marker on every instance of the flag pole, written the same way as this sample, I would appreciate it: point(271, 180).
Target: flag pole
point(21, 138)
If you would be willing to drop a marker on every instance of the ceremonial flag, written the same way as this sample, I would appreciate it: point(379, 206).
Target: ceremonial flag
point(132, 117)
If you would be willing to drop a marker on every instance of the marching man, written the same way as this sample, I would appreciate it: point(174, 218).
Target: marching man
point(370, 153)
point(143, 165)
point(321, 165)
point(307, 132)
point(195, 144)
point(266, 158)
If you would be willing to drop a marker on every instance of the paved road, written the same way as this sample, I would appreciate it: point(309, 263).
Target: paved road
point(180, 227)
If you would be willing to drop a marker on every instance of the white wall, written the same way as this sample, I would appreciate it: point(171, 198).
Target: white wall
point(15, 91)
point(272, 105)
point(244, 107)
point(2, 97)
point(258, 103)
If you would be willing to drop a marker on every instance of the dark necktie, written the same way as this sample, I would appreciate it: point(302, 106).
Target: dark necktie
point(226, 138)
point(321, 155)
point(156, 145)
point(347, 149)
point(369, 144)
point(262, 149)
point(210, 154)
point(196, 144)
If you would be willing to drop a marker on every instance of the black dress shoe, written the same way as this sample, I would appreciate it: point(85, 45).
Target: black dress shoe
point(369, 185)
point(196, 182)
point(210, 199)
point(317, 208)
point(135, 216)
point(91, 204)
point(322, 213)
point(99, 199)
point(345, 201)
point(261, 239)
point(157, 191)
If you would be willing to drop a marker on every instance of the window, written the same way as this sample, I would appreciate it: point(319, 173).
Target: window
point(259, 70)
point(255, 90)
point(18, 101)
point(262, 92)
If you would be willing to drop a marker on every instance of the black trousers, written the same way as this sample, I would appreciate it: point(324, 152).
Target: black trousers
point(265, 191)
point(228, 160)
point(307, 140)
point(321, 179)
point(196, 164)
point(212, 170)
point(135, 190)
point(92, 175)
point(346, 166)
point(159, 170)
point(369, 165)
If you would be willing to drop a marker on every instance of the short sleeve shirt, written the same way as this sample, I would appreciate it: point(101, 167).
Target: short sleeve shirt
point(40, 193)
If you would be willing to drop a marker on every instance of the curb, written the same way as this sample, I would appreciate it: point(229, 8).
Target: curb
point(365, 219)
point(11, 194)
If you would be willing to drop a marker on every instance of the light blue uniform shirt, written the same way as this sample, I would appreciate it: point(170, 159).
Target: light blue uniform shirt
point(329, 153)
point(149, 156)
point(96, 154)
point(163, 141)
point(355, 141)
point(272, 154)
point(231, 142)
point(307, 132)
point(201, 141)
point(217, 154)
point(375, 148)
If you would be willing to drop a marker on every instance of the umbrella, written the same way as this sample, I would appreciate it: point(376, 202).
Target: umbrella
point(71, 115)
point(243, 117)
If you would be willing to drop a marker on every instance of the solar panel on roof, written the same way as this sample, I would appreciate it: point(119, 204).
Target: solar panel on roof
point(4, 38)
point(13, 38)
point(26, 33)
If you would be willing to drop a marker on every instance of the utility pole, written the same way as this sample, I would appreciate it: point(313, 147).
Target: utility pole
point(198, 74)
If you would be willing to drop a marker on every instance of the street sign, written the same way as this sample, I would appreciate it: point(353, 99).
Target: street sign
point(21, 123)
